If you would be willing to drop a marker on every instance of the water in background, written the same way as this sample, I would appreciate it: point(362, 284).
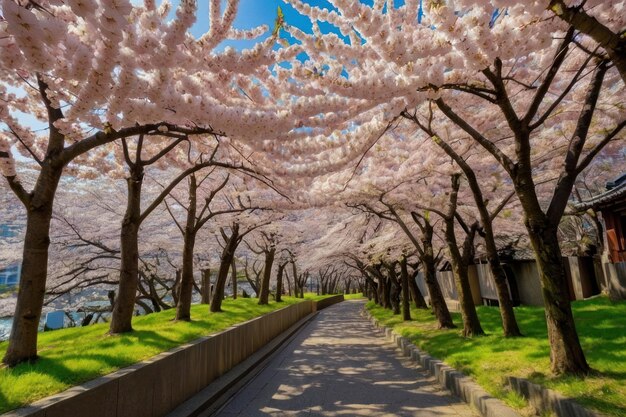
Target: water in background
point(5, 327)
point(6, 322)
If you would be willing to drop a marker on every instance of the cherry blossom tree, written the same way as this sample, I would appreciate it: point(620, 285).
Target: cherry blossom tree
point(509, 323)
point(607, 33)
point(197, 215)
point(239, 228)
point(533, 87)
point(47, 56)
point(542, 225)
point(264, 243)
point(519, 95)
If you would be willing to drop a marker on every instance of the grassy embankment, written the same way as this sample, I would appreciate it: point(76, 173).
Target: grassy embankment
point(601, 326)
point(353, 296)
point(313, 297)
point(71, 356)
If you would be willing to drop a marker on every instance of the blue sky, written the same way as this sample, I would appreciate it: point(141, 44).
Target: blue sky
point(250, 14)
point(253, 13)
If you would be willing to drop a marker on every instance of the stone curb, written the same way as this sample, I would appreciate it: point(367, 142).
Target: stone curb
point(455, 381)
point(542, 398)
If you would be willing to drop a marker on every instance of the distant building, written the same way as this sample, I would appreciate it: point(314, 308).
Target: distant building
point(7, 230)
point(612, 205)
point(9, 275)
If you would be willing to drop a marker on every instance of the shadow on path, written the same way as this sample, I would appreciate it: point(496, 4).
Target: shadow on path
point(340, 365)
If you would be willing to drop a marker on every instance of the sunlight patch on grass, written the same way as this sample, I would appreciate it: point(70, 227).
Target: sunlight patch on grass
point(489, 359)
point(353, 296)
point(71, 356)
point(314, 297)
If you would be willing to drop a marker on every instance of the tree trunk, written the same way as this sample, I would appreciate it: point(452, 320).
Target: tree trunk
point(384, 293)
point(233, 277)
point(394, 288)
point(23, 340)
point(566, 354)
point(267, 275)
point(427, 259)
point(183, 309)
point(406, 304)
point(369, 291)
point(127, 290)
point(176, 287)
point(509, 323)
point(294, 271)
point(373, 289)
point(416, 294)
point(226, 260)
point(437, 302)
point(288, 280)
point(471, 323)
point(205, 287)
point(394, 295)
point(279, 282)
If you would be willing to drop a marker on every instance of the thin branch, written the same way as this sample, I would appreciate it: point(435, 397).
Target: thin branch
point(165, 150)
point(560, 98)
point(592, 154)
point(19, 190)
point(30, 151)
point(501, 206)
point(129, 161)
point(500, 156)
point(167, 206)
point(366, 151)
point(559, 57)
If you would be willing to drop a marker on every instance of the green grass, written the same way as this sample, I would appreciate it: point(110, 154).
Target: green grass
point(353, 296)
point(71, 356)
point(601, 327)
point(314, 297)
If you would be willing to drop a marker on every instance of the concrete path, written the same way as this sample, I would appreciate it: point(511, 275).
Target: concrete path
point(340, 365)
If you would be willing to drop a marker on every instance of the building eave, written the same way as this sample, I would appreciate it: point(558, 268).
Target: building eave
point(606, 199)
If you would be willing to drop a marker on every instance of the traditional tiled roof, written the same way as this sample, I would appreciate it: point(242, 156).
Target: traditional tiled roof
point(510, 248)
point(616, 193)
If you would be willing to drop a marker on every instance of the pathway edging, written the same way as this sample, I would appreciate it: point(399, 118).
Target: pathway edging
point(542, 398)
point(455, 381)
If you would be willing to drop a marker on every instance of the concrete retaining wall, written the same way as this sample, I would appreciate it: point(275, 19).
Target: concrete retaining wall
point(321, 304)
point(156, 386)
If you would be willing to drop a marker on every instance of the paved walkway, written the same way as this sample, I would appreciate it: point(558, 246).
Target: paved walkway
point(340, 365)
